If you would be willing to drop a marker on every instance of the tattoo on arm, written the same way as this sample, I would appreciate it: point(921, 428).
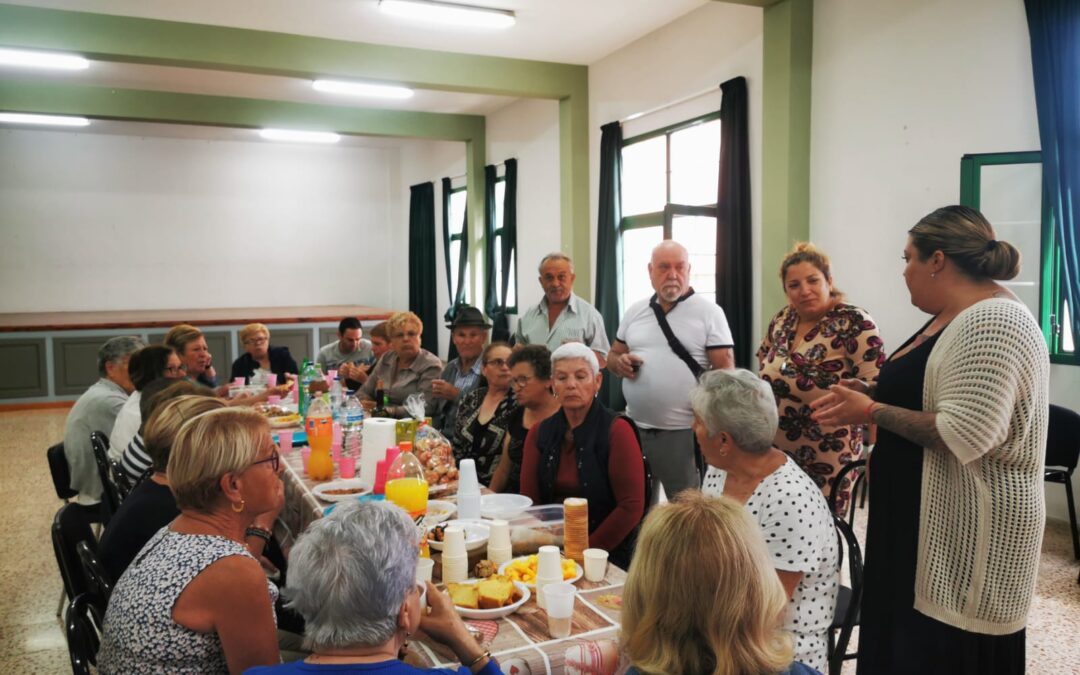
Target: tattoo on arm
point(915, 425)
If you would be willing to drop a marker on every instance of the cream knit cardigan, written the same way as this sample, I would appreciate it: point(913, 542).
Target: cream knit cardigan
point(982, 513)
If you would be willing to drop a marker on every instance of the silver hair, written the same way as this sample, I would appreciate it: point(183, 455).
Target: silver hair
point(350, 572)
point(738, 403)
point(115, 349)
point(557, 255)
point(576, 350)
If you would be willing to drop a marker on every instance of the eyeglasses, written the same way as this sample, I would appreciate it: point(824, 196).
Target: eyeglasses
point(256, 341)
point(498, 363)
point(176, 370)
point(520, 382)
point(274, 459)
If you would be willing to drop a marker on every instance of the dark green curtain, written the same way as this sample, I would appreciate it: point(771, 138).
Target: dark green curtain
point(422, 261)
point(608, 249)
point(500, 319)
point(1054, 26)
point(734, 266)
point(491, 300)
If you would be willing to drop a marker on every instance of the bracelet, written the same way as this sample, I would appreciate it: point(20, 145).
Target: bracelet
point(870, 411)
point(258, 532)
point(478, 659)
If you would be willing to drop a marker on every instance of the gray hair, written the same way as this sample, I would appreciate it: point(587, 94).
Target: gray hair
point(576, 350)
point(738, 403)
point(557, 255)
point(116, 349)
point(349, 574)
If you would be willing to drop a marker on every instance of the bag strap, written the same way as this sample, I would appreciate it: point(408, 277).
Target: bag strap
point(673, 341)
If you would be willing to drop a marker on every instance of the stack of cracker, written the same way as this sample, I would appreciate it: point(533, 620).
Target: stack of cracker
point(576, 528)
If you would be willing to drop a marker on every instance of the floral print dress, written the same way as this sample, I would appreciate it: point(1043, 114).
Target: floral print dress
point(843, 345)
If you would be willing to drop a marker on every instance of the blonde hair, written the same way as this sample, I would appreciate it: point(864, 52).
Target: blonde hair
point(253, 329)
point(399, 320)
point(701, 595)
point(806, 252)
point(966, 237)
point(208, 447)
point(179, 336)
point(166, 421)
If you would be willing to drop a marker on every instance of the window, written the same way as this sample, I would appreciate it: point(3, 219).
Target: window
point(511, 286)
point(455, 227)
point(1007, 188)
point(669, 183)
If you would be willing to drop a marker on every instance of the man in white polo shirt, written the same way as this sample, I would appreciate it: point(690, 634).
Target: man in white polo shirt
point(660, 369)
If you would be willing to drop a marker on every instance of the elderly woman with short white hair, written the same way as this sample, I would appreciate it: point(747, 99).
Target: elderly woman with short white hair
point(361, 602)
point(585, 450)
point(735, 422)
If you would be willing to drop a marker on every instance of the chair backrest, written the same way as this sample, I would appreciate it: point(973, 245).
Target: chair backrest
point(82, 625)
point(98, 579)
point(859, 465)
point(110, 494)
point(60, 472)
point(846, 538)
point(1063, 437)
point(70, 526)
point(123, 481)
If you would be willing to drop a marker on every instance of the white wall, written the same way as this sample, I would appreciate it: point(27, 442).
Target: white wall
point(901, 90)
point(112, 222)
point(694, 53)
point(527, 130)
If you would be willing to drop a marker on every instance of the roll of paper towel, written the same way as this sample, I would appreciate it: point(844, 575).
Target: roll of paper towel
point(380, 433)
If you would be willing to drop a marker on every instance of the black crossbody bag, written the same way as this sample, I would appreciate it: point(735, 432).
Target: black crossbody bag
point(673, 341)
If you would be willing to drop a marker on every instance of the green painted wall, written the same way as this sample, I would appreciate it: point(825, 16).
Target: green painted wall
point(785, 171)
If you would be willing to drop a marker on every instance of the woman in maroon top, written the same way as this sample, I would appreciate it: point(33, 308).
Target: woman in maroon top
point(585, 450)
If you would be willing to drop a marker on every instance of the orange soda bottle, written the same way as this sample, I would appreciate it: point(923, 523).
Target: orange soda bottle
point(319, 426)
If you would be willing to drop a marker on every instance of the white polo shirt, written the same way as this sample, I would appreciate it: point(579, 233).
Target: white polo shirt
point(659, 398)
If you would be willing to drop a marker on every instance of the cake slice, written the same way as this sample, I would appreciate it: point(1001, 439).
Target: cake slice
point(464, 595)
point(495, 592)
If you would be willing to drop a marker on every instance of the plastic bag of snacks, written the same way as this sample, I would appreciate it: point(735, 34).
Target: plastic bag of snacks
point(433, 450)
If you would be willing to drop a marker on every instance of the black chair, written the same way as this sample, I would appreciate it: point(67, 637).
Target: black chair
point(82, 625)
point(858, 484)
point(98, 580)
point(110, 494)
point(60, 472)
point(70, 526)
point(1062, 452)
point(848, 599)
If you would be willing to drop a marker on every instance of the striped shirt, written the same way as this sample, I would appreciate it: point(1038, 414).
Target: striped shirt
point(135, 461)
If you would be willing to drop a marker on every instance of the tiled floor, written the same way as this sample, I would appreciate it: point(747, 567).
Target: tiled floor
point(31, 640)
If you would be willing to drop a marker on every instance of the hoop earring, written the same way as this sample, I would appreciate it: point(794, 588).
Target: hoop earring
point(238, 510)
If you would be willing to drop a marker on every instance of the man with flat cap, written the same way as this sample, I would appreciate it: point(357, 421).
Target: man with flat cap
point(469, 332)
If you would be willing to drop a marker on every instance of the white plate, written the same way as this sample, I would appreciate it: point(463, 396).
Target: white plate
point(439, 511)
point(503, 506)
point(476, 534)
point(320, 490)
point(580, 572)
point(480, 614)
point(439, 488)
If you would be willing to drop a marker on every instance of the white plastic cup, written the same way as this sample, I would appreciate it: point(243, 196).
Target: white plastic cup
point(468, 484)
point(285, 441)
point(468, 506)
point(424, 568)
point(422, 588)
point(455, 569)
point(499, 555)
point(548, 563)
point(559, 603)
point(499, 535)
point(595, 564)
point(453, 542)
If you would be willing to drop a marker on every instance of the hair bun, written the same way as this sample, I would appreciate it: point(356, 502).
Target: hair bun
point(1000, 260)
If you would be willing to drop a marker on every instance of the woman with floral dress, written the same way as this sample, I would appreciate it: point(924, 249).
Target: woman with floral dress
point(812, 344)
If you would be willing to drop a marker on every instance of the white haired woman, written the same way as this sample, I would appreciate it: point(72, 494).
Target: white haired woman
point(195, 600)
point(735, 422)
point(361, 602)
point(585, 450)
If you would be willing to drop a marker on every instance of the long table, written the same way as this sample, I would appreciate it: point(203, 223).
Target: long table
point(520, 642)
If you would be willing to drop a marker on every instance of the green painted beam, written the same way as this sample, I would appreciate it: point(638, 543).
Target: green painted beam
point(574, 188)
point(173, 43)
point(225, 111)
point(785, 170)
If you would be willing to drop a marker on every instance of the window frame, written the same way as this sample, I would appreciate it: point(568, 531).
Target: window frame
point(450, 238)
point(500, 210)
point(1051, 274)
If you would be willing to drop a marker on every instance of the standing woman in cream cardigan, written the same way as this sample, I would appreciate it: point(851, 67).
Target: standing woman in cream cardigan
point(957, 511)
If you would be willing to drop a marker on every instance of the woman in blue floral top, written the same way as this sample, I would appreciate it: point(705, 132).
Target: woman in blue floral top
point(813, 343)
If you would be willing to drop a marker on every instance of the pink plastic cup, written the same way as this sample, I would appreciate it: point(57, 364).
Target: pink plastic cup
point(332, 373)
point(284, 439)
point(296, 395)
point(335, 450)
point(336, 433)
point(392, 454)
point(305, 455)
point(271, 380)
point(380, 477)
point(347, 466)
point(239, 381)
point(273, 400)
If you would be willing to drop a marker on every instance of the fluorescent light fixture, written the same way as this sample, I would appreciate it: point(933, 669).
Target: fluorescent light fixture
point(361, 89)
point(301, 136)
point(48, 120)
point(449, 13)
point(34, 59)
point(634, 116)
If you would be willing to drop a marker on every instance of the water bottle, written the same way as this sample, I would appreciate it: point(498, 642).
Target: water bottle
point(336, 399)
point(352, 427)
point(309, 373)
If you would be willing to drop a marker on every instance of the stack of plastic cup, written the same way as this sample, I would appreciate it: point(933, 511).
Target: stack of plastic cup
point(499, 550)
point(391, 454)
point(335, 450)
point(468, 494)
point(548, 571)
point(559, 603)
point(285, 441)
point(336, 432)
point(380, 477)
point(455, 559)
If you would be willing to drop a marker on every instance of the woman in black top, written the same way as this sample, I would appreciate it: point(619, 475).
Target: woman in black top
point(259, 358)
point(530, 380)
point(484, 413)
